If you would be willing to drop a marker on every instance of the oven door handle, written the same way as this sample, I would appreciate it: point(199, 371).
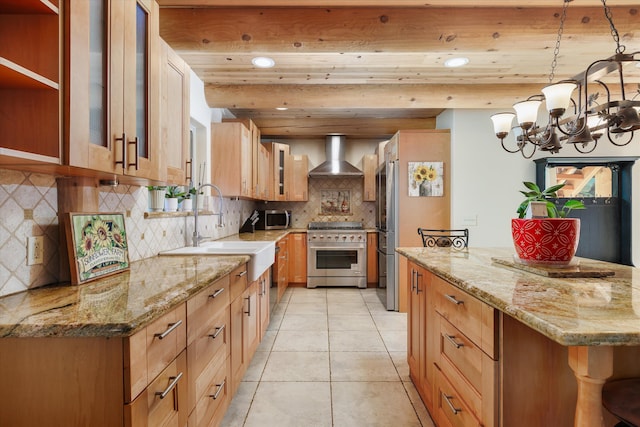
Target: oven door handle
point(335, 248)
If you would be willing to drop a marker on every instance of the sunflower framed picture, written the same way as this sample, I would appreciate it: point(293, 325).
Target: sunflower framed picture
point(426, 179)
point(97, 245)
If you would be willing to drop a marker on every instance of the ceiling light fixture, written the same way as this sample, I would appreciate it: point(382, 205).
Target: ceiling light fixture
point(456, 62)
point(263, 62)
point(281, 108)
point(584, 116)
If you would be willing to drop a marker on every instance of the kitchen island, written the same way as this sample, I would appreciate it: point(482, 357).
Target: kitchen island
point(531, 325)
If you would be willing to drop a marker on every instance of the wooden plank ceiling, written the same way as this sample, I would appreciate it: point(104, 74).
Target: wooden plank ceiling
point(366, 69)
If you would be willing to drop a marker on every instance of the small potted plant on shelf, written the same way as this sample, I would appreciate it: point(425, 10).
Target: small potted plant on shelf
point(187, 200)
point(172, 197)
point(156, 197)
point(542, 233)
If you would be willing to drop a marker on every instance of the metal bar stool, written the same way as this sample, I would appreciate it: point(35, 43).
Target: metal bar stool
point(456, 239)
point(622, 399)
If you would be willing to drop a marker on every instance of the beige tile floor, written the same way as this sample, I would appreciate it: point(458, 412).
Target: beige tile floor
point(331, 357)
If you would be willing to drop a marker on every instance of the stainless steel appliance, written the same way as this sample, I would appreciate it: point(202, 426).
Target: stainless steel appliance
point(336, 254)
point(273, 220)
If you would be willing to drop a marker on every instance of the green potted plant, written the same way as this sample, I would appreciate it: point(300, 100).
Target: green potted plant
point(156, 197)
point(550, 238)
point(172, 197)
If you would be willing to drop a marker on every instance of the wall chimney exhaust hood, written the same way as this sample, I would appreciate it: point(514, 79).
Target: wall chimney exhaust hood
point(335, 165)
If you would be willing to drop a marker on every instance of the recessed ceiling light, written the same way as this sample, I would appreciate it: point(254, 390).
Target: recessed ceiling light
point(282, 108)
point(263, 62)
point(456, 62)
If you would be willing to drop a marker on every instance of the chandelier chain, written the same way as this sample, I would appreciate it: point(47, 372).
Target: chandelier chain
point(614, 32)
point(556, 50)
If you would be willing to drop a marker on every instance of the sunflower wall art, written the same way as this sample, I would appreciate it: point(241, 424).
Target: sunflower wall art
point(97, 244)
point(426, 179)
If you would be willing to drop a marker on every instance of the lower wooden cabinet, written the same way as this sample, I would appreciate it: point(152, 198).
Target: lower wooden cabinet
point(372, 259)
point(451, 351)
point(281, 266)
point(181, 369)
point(297, 251)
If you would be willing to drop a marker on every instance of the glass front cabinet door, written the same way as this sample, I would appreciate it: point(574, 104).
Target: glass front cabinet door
point(112, 82)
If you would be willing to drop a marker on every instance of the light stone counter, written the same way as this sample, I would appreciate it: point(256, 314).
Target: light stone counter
point(572, 312)
point(117, 305)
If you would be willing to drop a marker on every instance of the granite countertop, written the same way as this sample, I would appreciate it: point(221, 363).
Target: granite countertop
point(570, 311)
point(114, 306)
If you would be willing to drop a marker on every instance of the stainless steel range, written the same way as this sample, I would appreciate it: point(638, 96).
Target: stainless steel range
point(336, 254)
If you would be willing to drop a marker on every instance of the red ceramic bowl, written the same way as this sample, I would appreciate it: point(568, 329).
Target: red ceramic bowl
point(549, 241)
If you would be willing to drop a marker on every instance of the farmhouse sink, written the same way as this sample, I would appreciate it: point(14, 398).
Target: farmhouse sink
point(261, 254)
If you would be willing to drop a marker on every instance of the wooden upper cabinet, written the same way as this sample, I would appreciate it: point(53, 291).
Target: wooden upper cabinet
point(369, 165)
point(257, 184)
point(174, 117)
point(30, 76)
point(298, 190)
point(278, 178)
point(231, 159)
point(264, 163)
point(112, 77)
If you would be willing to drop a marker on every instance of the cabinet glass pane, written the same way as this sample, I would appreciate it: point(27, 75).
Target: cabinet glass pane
point(142, 24)
point(97, 75)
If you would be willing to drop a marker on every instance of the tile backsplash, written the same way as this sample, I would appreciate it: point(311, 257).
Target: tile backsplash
point(29, 207)
point(311, 211)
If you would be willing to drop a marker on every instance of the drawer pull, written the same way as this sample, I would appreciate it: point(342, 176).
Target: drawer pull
point(453, 299)
point(215, 395)
point(452, 340)
point(242, 273)
point(448, 400)
point(172, 327)
point(248, 312)
point(172, 384)
point(216, 293)
point(217, 332)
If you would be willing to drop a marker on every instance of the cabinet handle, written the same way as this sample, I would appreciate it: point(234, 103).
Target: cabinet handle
point(453, 299)
point(172, 384)
point(187, 167)
point(418, 275)
point(248, 312)
point(135, 144)
point(413, 280)
point(448, 400)
point(216, 293)
point(452, 340)
point(242, 273)
point(217, 332)
point(123, 139)
point(172, 327)
point(215, 395)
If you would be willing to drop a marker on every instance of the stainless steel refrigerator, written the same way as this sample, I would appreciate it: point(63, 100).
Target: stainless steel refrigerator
point(399, 213)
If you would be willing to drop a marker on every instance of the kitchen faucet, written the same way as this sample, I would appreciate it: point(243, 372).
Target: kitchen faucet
point(196, 236)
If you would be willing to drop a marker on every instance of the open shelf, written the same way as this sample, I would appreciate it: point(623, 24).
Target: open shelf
point(28, 7)
point(15, 76)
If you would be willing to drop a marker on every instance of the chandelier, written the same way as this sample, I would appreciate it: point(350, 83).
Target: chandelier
point(577, 116)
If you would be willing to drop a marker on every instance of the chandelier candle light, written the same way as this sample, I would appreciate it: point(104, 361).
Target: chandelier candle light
point(577, 120)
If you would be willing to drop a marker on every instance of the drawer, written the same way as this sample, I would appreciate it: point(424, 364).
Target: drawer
point(213, 340)
point(461, 361)
point(164, 402)
point(238, 281)
point(202, 308)
point(212, 390)
point(149, 351)
point(450, 408)
point(468, 314)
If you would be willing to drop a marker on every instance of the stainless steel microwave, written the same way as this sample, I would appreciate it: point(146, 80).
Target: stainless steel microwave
point(273, 219)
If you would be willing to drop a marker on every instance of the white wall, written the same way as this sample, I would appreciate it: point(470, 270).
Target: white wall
point(486, 180)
